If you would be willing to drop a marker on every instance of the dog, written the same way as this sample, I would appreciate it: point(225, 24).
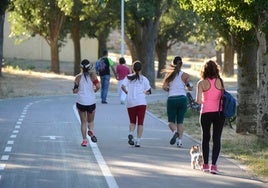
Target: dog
point(196, 157)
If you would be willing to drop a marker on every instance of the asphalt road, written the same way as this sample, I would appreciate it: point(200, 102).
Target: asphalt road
point(40, 147)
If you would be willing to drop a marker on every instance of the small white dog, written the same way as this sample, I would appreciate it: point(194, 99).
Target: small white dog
point(196, 157)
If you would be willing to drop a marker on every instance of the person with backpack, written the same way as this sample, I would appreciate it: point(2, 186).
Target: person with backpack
point(209, 93)
point(137, 87)
point(103, 66)
point(86, 84)
point(175, 83)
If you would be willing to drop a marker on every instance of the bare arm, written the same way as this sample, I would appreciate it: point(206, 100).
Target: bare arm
point(199, 92)
point(95, 81)
point(76, 84)
point(187, 81)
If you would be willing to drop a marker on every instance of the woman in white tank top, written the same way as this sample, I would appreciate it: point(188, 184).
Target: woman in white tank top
point(85, 85)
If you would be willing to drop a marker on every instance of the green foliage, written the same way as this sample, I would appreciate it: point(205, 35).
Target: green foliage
point(237, 18)
point(33, 17)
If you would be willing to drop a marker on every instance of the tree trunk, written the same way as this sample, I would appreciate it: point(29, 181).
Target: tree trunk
point(55, 63)
point(262, 118)
point(75, 32)
point(228, 66)
point(161, 50)
point(2, 20)
point(145, 46)
point(247, 89)
point(55, 25)
point(131, 48)
point(219, 56)
point(102, 38)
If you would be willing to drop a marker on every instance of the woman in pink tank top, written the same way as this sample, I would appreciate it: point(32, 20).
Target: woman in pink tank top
point(209, 91)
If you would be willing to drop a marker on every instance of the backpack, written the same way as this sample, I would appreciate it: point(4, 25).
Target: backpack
point(228, 103)
point(100, 65)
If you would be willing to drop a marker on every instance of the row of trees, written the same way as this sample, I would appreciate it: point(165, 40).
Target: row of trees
point(154, 26)
point(244, 25)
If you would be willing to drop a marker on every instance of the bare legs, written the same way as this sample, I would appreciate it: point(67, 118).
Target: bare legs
point(87, 122)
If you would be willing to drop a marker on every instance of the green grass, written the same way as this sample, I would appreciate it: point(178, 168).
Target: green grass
point(248, 149)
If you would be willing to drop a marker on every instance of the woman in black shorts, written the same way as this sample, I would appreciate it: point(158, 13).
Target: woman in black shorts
point(85, 85)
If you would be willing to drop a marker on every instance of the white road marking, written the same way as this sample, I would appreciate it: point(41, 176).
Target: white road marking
point(8, 149)
point(4, 157)
point(13, 136)
point(10, 142)
point(2, 166)
point(102, 164)
point(15, 132)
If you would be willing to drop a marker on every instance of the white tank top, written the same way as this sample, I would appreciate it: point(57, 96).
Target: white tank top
point(177, 86)
point(86, 94)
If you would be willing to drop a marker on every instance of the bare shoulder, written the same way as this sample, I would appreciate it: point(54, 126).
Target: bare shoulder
point(218, 84)
point(205, 84)
point(185, 75)
point(93, 75)
point(77, 77)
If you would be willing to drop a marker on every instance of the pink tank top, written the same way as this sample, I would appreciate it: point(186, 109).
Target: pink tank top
point(211, 98)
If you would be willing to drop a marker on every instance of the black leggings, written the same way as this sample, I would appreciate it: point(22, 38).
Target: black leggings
point(206, 120)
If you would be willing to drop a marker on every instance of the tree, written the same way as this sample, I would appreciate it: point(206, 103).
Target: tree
point(3, 6)
point(242, 23)
point(42, 17)
point(142, 24)
point(103, 16)
point(179, 25)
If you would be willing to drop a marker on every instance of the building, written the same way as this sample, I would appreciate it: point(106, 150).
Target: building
point(36, 48)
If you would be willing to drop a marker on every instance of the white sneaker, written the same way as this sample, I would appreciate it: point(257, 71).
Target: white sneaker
point(179, 143)
point(137, 144)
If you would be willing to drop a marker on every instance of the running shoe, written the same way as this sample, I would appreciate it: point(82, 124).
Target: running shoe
point(84, 143)
point(130, 140)
point(173, 139)
point(179, 143)
point(93, 137)
point(214, 169)
point(137, 144)
point(205, 168)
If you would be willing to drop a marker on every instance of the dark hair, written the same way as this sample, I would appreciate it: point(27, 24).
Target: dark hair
point(122, 60)
point(137, 66)
point(105, 52)
point(173, 70)
point(177, 60)
point(86, 67)
point(210, 70)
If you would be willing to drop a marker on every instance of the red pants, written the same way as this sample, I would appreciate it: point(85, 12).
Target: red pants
point(137, 113)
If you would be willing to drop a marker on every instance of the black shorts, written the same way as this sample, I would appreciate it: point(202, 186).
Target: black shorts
point(86, 108)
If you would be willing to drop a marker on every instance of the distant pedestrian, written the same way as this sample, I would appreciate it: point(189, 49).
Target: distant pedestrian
point(85, 85)
point(136, 86)
point(104, 72)
point(209, 92)
point(122, 70)
point(175, 83)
